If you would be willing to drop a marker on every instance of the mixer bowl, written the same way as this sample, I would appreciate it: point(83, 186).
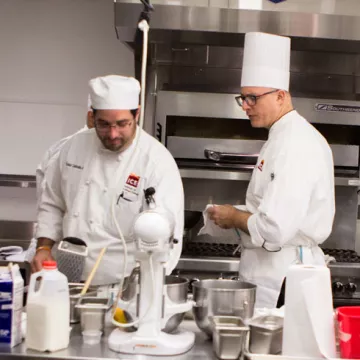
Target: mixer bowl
point(224, 298)
point(177, 290)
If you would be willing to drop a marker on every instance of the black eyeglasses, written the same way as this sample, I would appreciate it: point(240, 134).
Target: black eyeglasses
point(251, 99)
point(104, 126)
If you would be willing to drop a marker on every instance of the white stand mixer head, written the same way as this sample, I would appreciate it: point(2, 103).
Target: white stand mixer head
point(153, 232)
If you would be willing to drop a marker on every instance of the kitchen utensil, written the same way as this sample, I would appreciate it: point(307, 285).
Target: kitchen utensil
point(266, 334)
point(176, 288)
point(70, 257)
point(222, 297)
point(349, 329)
point(75, 291)
point(93, 271)
point(152, 230)
point(229, 336)
point(92, 312)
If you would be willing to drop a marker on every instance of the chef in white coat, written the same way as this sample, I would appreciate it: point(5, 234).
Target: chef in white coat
point(290, 203)
point(49, 156)
point(110, 165)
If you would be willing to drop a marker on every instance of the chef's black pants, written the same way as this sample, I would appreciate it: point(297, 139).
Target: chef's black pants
point(281, 298)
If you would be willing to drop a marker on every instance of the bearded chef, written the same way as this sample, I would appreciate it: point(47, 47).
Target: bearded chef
point(110, 165)
point(290, 202)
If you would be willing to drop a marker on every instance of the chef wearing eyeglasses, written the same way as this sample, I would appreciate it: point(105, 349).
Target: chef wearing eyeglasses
point(290, 202)
point(104, 169)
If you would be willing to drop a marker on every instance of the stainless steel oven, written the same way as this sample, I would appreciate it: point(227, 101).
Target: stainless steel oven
point(194, 72)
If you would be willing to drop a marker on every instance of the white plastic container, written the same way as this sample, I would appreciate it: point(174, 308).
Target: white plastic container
point(48, 310)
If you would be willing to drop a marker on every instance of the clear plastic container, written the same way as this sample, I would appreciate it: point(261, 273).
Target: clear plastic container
point(91, 337)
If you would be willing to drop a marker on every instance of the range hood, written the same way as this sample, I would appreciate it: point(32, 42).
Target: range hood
point(328, 24)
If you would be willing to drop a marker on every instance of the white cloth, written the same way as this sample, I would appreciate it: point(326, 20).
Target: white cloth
point(210, 228)
point(114, 92)
point(291, 196)
point(266, 61)
point(83, 182)
point(10, 250)
point(13, 253)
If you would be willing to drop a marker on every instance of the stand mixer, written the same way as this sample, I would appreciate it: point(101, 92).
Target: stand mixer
point(153, 233)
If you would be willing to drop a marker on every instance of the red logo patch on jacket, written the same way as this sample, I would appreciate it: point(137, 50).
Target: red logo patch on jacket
point(260, 166)
point(133, 180)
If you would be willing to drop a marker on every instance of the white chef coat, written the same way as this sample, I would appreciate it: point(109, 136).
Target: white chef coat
point(291, 196)
point(49, 155)
point(84, 180)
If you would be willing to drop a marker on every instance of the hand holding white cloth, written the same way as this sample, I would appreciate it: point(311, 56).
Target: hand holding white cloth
point(210, 228)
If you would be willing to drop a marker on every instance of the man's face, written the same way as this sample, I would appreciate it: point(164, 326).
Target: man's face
point(115, 128)
point(262, 111)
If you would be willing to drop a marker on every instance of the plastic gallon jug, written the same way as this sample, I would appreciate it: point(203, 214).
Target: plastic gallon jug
point(48, 310)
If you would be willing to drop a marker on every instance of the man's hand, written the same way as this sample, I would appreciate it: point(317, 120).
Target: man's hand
point(43, 253)
point(223, 215)
point(40, 256)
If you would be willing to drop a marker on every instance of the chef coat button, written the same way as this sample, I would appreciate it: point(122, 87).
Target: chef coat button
point(76, 214)
point(91, 221)
point(105, 189)
point(118, 159)
point(87, 182)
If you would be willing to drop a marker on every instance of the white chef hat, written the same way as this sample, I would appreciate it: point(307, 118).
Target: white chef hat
point(266, 61)
point(114, 92)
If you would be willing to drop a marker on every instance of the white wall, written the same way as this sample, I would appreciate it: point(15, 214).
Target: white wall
point(49, 50)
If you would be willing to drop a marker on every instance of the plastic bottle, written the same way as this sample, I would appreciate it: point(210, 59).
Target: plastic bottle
point(48, 310)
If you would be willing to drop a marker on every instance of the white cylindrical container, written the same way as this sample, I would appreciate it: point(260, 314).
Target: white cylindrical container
point(48, 310)
point(309, 319)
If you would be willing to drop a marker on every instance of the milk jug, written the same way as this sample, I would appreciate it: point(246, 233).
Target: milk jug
point(48, 310)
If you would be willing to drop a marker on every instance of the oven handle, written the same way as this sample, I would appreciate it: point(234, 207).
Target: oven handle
point(238, 158)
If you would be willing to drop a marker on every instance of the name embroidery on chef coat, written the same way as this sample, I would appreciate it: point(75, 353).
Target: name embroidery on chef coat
point(130, 191)
point(261, 165)
point(74, 166)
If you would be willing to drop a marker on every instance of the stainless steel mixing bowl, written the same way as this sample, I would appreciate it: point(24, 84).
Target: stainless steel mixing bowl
point(222, 297)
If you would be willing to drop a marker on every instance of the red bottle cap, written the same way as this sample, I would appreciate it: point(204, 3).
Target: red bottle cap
point(49, 265)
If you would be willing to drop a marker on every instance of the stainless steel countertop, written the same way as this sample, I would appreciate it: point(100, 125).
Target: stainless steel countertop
point(78, 350)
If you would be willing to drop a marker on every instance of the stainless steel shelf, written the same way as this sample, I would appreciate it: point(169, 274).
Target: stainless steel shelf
point(208, 264)
point(18, 181)
point(215, 174)
point(347, 181)
point(246, 176)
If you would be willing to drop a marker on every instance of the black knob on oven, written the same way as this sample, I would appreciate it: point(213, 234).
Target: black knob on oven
point(350, 287)
point(337, 287)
